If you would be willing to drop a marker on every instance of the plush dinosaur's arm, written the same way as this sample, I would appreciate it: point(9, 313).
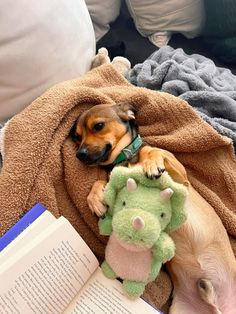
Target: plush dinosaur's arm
point(164, 249)
point(105, 225)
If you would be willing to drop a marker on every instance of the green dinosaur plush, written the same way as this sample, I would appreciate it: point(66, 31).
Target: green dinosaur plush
point(140, 213)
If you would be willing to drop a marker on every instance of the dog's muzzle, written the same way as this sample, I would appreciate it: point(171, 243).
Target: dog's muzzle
point(94, 157)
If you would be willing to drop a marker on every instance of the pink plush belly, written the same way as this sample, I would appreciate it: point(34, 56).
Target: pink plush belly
point(127, 263)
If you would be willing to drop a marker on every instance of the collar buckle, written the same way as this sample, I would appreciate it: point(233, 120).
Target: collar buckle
point(128, 153)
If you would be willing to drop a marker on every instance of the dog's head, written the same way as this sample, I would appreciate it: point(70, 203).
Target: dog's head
point(103, 131)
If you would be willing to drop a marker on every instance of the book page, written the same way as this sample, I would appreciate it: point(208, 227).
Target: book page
point(34, 229)
point(44, 276)
point(101, 295)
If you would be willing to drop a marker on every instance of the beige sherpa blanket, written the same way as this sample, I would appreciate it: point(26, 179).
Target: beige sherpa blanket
point(40, 164)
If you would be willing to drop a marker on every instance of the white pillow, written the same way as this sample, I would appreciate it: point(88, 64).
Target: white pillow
point(102, 13)
point(158, 19)
point(41, 43)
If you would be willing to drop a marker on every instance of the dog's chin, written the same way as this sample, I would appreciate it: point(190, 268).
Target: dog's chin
point(100, 158)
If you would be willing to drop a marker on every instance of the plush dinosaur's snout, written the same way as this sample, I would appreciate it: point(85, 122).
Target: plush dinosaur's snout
point(138, 223)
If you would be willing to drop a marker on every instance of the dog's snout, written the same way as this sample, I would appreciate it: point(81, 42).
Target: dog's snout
point(82, 154)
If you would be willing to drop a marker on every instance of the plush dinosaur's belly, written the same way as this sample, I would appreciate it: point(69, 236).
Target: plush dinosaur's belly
point(127, 262)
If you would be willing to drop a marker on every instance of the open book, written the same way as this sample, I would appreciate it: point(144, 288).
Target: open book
point(49, 269)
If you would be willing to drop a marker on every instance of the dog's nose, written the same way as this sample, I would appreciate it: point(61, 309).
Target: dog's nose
point(82, 154)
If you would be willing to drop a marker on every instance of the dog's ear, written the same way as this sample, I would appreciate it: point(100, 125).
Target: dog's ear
point(125, 111)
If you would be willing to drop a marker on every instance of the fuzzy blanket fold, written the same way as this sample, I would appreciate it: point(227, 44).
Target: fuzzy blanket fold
point(39, 162)
point(211, 90)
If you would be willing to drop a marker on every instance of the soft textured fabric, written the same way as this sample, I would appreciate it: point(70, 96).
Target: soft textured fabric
point(158, 19)
point(40, 164)
point(209, 89)
point(102, 14)
point(41, 43)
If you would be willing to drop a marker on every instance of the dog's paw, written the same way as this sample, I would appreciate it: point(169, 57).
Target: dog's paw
point(95, 198)
point(151, 169)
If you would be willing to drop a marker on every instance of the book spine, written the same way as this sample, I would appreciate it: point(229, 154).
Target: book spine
point(21, 225)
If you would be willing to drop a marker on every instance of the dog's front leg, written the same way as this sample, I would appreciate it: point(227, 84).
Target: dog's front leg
point(152, 161)
point(95, 198)
point(155, 161)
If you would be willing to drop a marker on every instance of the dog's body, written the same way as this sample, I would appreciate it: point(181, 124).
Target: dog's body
point(204, 267)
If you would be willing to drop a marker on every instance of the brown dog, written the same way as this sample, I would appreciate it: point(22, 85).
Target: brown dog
point(204, 267)
point(107, 135)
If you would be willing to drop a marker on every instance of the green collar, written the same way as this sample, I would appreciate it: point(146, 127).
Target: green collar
point(129, 151)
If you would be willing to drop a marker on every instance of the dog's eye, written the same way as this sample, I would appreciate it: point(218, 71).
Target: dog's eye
point(124, 203)
point(98, 126)
point(162, 215)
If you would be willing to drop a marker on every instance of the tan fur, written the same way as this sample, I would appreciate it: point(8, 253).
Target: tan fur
point(95, 198)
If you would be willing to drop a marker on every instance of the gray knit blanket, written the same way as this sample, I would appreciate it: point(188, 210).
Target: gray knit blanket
point(211, 90)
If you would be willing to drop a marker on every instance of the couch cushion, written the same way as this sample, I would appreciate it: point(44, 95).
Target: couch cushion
point(41, 43)
point(102, 14)
point(165, 17)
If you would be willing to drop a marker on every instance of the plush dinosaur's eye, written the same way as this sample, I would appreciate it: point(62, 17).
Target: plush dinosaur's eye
point(98, 126)
point(162, 215)
point(124, 203)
